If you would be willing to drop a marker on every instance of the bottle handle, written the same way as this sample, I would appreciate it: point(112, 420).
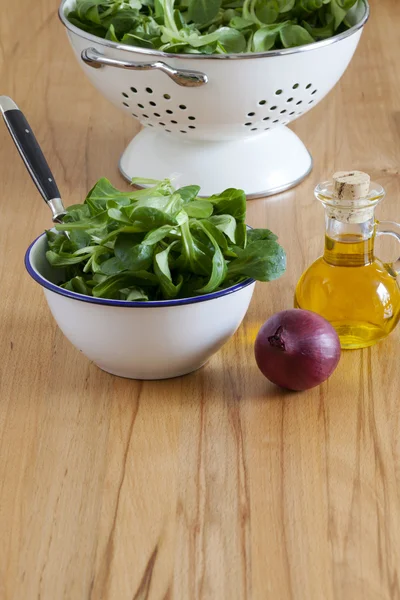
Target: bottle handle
point(393, 229)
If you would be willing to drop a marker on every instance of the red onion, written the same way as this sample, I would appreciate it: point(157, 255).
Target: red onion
point(297, 349)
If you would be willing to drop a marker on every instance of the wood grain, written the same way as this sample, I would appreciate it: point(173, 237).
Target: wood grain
point(215, 486)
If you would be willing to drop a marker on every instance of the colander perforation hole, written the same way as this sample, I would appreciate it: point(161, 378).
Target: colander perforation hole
point(256, 121)
point(288, 106)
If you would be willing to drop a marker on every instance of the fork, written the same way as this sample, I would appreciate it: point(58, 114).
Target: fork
point(33, 157)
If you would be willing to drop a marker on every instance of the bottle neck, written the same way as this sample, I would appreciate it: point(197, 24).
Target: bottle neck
point(349, 244)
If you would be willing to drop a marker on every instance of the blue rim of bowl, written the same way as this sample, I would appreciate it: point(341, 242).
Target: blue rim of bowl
point(52, 287)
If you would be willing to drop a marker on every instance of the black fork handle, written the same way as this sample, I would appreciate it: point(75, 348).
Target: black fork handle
point(32, 155)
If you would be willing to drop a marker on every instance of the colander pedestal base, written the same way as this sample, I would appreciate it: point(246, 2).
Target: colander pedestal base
point(261, 165)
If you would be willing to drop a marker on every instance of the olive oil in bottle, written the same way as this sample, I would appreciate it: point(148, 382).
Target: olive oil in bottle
point(348, 285)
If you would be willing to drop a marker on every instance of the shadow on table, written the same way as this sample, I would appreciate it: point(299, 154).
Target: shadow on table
point(38, 359)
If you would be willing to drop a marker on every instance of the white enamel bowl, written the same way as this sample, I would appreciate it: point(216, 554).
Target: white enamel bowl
point(229, 131)
point(155, 340)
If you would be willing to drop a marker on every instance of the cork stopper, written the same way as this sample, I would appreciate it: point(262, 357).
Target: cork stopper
point(350, 190)
point(351, 185)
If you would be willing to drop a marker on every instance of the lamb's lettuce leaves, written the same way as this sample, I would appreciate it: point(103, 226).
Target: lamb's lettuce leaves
point(160, 243)
point(212, 26)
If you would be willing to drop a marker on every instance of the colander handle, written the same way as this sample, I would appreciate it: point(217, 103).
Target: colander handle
point(95, 59)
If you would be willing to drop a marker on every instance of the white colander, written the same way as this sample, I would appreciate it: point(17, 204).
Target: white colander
point(218, 121)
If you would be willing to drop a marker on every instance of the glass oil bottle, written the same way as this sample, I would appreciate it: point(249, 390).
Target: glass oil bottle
point(348, 285)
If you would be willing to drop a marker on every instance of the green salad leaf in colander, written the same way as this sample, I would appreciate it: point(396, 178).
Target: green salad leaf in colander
point(213, 26)
point(159, 243)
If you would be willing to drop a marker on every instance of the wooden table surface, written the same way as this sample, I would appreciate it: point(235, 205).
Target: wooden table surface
point(217, 485)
